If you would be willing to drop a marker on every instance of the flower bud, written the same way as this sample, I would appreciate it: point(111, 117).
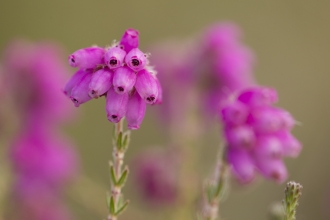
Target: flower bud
point(272, 168)
point(146, 86)
point(116, 105)
point(268, 146)
point(136, 109)
point(291, 146)
point(129, 40)
point(114, 57)
point(123, 80)
point(79, 94)
point(87, 58)
point(240, 137)
point(258, 96)
point(136, 59)
point(242, 165)
point(100, 83)
point(234, 113)
point(74, 80)
point(265, 120)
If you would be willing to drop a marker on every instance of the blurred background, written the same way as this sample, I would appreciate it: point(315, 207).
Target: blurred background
point(290, 40)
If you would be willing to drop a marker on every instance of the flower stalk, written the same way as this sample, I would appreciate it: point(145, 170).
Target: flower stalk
point(214, 190)
point(118, 175)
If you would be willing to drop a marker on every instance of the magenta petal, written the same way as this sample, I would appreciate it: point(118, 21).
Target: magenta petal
point(160, 93)
point(258, 96)
point(272, 168)
point(146, 86)
point(100, 83)
point(135, 111)
point(114, 57)
point(79, 94)
point(268, 146)
point(240, 137)
point(242, 164)
point(291, 146)
point(116, 105)
point(265, 120)
point(87, 58)
point(124, 79)
point(73, 81)
point(234, 113)
point(129, 40)
point(136, 59)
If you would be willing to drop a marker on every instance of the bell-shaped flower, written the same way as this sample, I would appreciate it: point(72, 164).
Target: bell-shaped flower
point(87, 58)
point(114, 57)
point(146, 86)
point(136, 109)
point(123, 80)
point(116, 105)
point(100, 83)
point(136, 59)
point(79, 94)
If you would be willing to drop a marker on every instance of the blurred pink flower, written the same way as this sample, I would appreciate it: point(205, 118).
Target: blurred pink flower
point(156, 176)
point(258, 135)
point(33, 74)
point(43, 162)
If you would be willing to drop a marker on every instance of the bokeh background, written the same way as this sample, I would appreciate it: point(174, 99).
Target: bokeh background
point(290, 39)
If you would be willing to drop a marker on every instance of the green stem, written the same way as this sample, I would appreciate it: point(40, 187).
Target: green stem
point(214, 190)
point(118, 175)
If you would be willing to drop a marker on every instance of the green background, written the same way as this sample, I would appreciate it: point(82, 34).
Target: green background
point(290, 39)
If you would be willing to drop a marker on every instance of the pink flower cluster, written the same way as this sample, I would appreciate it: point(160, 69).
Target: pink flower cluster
point(258, 135)
point(43, 162)
point(219, 74)
point(231, 64)
point(121, 73)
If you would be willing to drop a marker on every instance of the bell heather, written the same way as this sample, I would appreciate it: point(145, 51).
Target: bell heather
point(117, 72)
point(262, 134)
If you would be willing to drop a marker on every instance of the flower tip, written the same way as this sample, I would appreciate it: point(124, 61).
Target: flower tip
point(113, 118)
point(132, 32)
point(133, 127)
point(120, 89)
point(72, 61)
point(92, 93)
point(278, 177)
point(150, 99)
point(75, 101)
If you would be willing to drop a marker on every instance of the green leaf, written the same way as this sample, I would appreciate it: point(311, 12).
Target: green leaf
point(113, 175)
point(119, 141)
point(123, 178)
point(112, 206)
point(108, 200)
point(127, 137)
point(210, 192)
point(122, 208)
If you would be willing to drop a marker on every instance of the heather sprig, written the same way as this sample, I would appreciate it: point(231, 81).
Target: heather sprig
point(118, 175)
point(290, 203)
point(121, 73)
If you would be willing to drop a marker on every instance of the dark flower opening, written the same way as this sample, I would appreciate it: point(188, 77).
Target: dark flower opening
point(113, 62)
point(121, 89)
point(135, 62)
point(151, 98)
point(72, 60)
point(114, 116)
